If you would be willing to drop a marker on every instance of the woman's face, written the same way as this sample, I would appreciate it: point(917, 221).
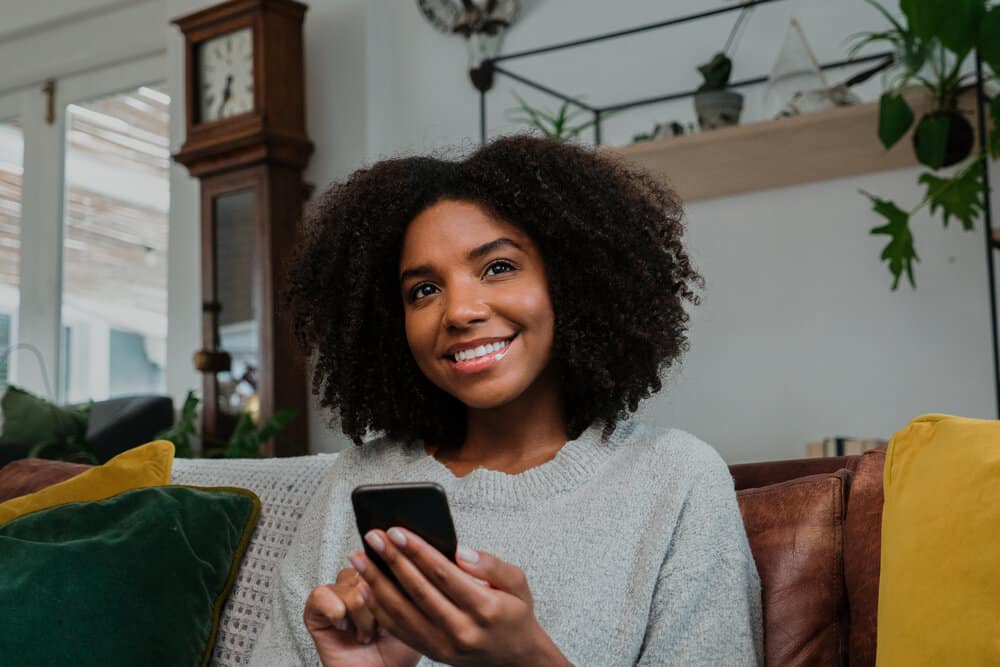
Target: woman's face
point(479, 319)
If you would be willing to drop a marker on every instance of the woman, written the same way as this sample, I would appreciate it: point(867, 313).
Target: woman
point(496, 319)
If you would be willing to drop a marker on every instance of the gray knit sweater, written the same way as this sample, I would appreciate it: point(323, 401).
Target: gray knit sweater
point(633, 548)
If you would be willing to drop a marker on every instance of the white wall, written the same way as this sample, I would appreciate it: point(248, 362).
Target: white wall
point(798, 337)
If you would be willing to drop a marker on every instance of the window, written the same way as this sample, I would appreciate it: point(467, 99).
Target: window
point(114, 299)
point(11, 173)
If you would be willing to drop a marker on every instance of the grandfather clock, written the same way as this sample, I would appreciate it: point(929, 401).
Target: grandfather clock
point(246, 142)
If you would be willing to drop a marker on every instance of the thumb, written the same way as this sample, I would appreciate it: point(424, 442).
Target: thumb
point(324, 609)
point(497, 573)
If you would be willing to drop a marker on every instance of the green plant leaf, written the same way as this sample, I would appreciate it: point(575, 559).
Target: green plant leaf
point(958, 196)
point(900, 252)
point(553, 126)
point(911, 50)
point(989, 39)
point(894, 118)
point(956, 23)
point(186, 426)
point(995, 132)
point(278, 421)
point(247, 437)
point(243, 442)
point(885, 13)
point(932, 140)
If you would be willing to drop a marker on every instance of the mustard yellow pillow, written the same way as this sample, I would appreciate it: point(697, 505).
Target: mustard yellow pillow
point(146, 465)
point(939, 590)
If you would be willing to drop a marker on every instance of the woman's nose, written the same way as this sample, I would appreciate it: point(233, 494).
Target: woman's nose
point(465, 306)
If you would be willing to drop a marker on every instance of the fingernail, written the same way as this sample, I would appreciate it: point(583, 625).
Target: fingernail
point(341, 624)
point(356, 561)
point(396, 535)
point(467, 554)
point(375, 541)
point(364, 592)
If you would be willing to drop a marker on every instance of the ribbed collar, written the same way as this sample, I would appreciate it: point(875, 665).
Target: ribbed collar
point(576, 462)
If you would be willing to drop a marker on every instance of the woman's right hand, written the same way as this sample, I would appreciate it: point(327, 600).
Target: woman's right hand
point(344, 630)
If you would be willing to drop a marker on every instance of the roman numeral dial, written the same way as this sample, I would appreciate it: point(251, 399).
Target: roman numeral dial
point(225, 75)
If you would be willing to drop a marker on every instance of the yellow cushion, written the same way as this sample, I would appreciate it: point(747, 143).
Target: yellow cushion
point(939, 591)
point(146, 465)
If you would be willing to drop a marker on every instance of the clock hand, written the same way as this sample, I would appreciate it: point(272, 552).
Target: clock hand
point(226, 93)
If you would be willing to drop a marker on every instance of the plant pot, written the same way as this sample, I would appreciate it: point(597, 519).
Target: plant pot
point(718, 108)
point(960, 136)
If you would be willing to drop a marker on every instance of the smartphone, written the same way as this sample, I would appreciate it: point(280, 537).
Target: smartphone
point(421, 507)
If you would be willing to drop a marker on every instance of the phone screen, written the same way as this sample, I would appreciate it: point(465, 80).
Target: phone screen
point(421, 507)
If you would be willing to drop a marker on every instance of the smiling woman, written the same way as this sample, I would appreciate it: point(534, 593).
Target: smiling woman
point(498, 318)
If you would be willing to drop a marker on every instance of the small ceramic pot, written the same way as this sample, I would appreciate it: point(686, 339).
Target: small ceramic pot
point(718, 108)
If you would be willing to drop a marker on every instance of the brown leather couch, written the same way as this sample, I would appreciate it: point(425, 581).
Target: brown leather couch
point(814, 527)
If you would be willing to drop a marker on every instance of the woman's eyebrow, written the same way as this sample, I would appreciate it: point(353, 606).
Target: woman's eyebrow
point(416, 272)
point(487, 248)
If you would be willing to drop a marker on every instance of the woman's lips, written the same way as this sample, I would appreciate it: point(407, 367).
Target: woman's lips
point(480, 364)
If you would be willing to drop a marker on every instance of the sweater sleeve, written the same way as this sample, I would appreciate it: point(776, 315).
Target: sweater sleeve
point(706, 604)
point(284, 640)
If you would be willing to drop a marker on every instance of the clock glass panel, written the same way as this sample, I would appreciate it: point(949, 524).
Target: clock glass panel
point(225, 75)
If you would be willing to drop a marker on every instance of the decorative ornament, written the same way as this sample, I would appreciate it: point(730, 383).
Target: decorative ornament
point(483, 23)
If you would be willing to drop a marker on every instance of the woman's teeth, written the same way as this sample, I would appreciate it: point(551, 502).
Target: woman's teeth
point(482, 350)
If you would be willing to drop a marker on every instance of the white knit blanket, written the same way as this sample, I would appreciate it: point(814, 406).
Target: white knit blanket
point(284, 487)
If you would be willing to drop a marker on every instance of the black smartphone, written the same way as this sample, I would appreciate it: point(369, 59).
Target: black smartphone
point(421, 507)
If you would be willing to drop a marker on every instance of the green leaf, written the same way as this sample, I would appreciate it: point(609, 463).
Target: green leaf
point(956, 23)
point(932, 140)
point(989, 38)
point(894, 118)
point(886, 14)
point(899, 253)
point(958, 196)
point(247, 437)
point(180, 434)
point(278, 421)
point(995, 132)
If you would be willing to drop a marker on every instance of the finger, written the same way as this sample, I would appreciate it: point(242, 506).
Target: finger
point(465, 593)
point(354, 593)
point(497, 573)
point(348, 575)
point(391, 609)
point(324, 609)
point(427, 596)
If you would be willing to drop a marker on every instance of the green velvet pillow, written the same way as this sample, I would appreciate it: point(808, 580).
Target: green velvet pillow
point(30, 420)
point(137, 579)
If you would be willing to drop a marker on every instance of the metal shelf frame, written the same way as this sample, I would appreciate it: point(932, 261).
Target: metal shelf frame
point(492, 66)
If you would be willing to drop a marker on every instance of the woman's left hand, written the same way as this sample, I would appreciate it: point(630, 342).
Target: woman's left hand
point(452, 616)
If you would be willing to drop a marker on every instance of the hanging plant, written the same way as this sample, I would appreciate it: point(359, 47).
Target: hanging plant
point(934, 46)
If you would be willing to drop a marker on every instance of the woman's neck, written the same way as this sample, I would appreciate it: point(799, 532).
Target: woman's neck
point(513, 438)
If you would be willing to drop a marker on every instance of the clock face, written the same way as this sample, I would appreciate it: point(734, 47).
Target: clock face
point(225, 75)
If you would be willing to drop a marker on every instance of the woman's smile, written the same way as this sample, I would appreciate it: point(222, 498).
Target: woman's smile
point(480, 357)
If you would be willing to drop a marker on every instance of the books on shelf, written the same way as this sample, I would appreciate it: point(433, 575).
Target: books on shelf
point(842, 446)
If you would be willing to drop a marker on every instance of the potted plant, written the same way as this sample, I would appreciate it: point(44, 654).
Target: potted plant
point(934, 46)
point(555, 125)
point(715, 105)
point(243, 443)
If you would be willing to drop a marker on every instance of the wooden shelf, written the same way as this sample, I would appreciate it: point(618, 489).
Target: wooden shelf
point(810, 147)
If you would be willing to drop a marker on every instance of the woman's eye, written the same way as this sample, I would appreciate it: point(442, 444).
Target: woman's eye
point(500, 266)
point(422, 290)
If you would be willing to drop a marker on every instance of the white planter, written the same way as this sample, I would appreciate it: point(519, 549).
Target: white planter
point(718, 108)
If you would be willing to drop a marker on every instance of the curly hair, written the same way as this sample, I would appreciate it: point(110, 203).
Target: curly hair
point(611, 240)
